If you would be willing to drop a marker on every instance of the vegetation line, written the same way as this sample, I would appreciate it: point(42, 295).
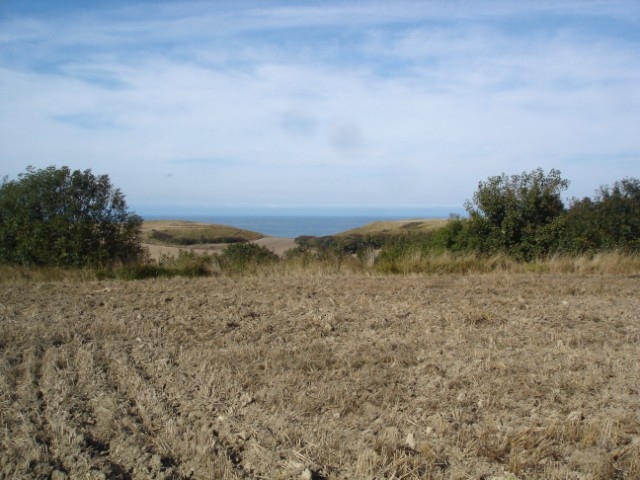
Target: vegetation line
point(53, 220)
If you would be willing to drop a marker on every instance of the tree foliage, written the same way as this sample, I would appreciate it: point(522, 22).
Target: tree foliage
point(609, 221)
point(523, 216)
point(55, 216)
point(512, 213)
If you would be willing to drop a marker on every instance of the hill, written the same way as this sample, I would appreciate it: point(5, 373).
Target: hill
point(397, 227)
point(183, 233)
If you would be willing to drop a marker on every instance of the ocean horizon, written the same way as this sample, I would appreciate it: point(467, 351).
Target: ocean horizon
point(291, 226)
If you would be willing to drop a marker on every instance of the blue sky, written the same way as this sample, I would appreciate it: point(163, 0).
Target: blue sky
point(210, 106)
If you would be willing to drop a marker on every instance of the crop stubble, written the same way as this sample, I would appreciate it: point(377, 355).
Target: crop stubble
point(347, 376)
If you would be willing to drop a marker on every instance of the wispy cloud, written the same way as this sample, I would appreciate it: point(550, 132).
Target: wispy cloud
point(402, 103)
point(90, 121)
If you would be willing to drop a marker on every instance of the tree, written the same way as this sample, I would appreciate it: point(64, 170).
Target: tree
point(618, 211)
point(511, 214)
point(54, 216)
point(609, 221)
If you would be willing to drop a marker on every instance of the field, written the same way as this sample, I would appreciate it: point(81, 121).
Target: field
point(350, 376)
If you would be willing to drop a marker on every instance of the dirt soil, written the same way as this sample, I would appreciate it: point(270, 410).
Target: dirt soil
point(336, 377)
point(277, 245)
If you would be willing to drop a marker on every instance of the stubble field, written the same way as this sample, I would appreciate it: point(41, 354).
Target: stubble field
point(339, 377)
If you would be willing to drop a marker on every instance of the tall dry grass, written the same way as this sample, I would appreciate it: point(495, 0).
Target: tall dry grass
point(603, 263)
point(196, 265)
point(21, 274)
point(600, 263)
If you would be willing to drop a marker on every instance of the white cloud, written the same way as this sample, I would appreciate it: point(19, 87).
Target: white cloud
point(353, 104)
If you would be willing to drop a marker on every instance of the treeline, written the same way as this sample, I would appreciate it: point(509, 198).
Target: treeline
point(524, 217)
point(521, 216)
point(63, 218)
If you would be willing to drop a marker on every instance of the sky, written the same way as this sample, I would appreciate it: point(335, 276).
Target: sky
point(207, 107)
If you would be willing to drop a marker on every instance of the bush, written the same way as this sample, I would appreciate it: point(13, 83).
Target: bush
point(346, 245)
point(177, 240)
point(523, 216)
point(511, 214)
point(240, 257)
point(186, 264)
point(190, 264)
point(453, 237)
point(610, 221)
point(58, 217)
point(137, 271)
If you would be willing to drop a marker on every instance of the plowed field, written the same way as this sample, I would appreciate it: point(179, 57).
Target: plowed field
point(345, 377)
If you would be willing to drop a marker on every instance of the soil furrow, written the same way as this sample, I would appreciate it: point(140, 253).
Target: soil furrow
point(441, 377)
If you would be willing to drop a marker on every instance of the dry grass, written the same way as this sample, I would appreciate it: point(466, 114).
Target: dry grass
point(19, 274)
point(417, 263)
point(603, 263)
point(288, 375)
point(600, 263)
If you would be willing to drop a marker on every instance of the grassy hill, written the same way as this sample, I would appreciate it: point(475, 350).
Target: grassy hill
point(181, 232)
point(397, 227)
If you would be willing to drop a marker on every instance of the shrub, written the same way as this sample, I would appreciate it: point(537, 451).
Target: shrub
point(186, 264)
point(507, 213)
point(191, 264)
point(610, 221)
point(355, 244)
point(178, 240)
point(240, 257)
point(138, 271)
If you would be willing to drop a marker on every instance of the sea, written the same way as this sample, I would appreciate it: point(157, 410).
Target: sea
point(288, 226)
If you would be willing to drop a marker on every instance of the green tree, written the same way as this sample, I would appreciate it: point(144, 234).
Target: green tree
point(512, 213)
point(618, 210)
point(609, 221)
point(54, 216)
